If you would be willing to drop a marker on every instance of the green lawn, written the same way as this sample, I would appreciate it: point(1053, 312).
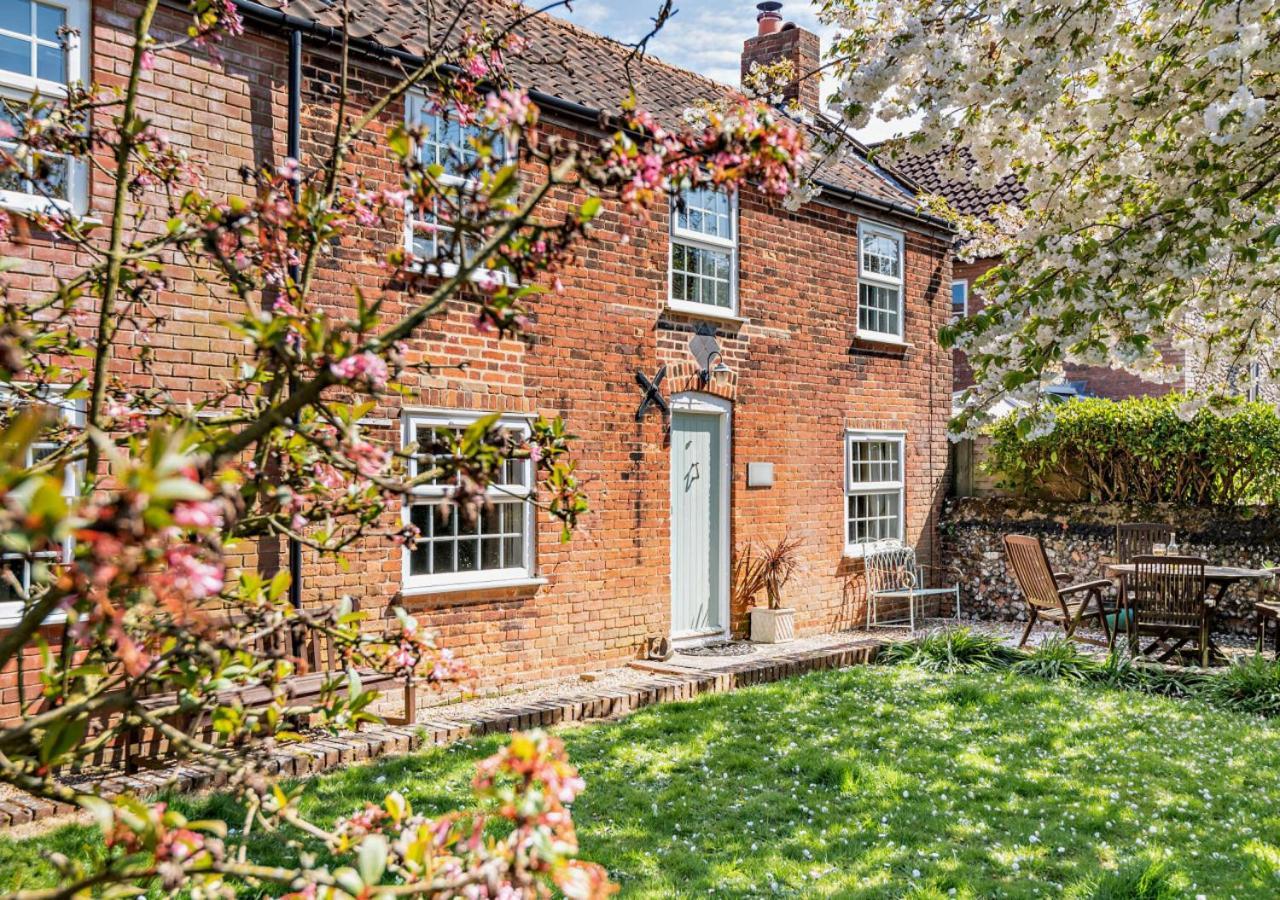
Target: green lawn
point(887, 782)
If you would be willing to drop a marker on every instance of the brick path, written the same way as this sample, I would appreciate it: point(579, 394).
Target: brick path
point(681, 678)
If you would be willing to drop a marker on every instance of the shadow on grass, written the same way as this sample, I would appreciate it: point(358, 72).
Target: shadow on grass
point(876, 782)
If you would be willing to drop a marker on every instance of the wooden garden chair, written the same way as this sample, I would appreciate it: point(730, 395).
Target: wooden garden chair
point(1135, 539)
point(1046, 596)
point(1170, 605)
point(1138, 539)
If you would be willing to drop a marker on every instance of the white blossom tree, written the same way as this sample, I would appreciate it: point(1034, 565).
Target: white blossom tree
point(1146, 135)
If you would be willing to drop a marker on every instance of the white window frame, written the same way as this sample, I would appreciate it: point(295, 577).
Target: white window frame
point(852, 488)
point(875, 279)
point(20, 88)
point(415, 111)
point(423, 421)
point(964, 310)
point(701, 241)
point(72, 412)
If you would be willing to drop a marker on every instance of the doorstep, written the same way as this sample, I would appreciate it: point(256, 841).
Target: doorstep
point(660, 683)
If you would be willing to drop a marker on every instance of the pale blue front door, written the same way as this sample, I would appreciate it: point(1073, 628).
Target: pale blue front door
point(698, 578)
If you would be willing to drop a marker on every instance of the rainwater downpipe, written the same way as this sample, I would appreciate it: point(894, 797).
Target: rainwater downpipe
point(294, 151)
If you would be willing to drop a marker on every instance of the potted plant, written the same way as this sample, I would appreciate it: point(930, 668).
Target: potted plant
point(767, 568)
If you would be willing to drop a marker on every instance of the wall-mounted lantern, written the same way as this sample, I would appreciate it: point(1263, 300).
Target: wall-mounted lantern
point(706, 350)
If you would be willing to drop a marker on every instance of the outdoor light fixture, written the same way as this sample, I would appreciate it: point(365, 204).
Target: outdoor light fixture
point(719, 368)
point(706, 351)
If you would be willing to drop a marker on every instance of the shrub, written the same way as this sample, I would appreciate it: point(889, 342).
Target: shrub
point(1142, 450)
point(1057, 658)
point(1252, 686)
point(952, 650)
point(764, 567)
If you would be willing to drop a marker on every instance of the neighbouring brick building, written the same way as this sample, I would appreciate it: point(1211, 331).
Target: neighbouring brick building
point(830, 387)
point(927, 173)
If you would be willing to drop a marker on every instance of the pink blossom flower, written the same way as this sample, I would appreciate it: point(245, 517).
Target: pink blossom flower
point(197, 514)
point(396, 198)
point(507, 108)
point(364, 211)
point(327, 476)
point(488, 281)
point(403, 658)
point(131, 420)
point(369, 459)
point(191, 575)
point(282, 305)
point(148, 61)
point(289, 169)
point(369, 366)
point(231, 20)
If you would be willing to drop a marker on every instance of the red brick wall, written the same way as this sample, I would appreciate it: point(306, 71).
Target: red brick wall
point(801, 48)
point(800, 379)
point(1114, 384)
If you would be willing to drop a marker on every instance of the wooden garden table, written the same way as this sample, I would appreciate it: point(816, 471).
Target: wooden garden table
point(1219, 577)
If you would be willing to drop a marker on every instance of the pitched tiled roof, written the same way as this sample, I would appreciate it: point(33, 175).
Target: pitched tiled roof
point(566, 62)
point(927, 171)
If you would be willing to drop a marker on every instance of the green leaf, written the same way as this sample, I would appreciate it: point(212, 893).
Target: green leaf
point(589, 210)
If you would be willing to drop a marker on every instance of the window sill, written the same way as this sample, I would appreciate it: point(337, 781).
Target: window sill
point(458, 587)
point(8, 619)
point(887, 340)
point(860, 551)
point(449, 269)
point(704, 311)
point(26, 204)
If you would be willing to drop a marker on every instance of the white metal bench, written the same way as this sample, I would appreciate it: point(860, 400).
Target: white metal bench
point(894, 574)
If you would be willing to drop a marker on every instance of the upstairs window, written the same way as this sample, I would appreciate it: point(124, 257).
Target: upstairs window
point(451, 145)
point(874, 489)
point(40, 51)
point(704, 250)
point(492, 548)
point(880, 281)
point(959, 299)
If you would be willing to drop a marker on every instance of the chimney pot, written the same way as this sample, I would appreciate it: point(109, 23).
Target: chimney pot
point(777, 41)
point(769, 19)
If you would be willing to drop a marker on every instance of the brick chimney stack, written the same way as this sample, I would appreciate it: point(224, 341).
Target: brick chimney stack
point(775, 40)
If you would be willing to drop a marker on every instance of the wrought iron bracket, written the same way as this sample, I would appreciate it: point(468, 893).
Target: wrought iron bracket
point(652, 394)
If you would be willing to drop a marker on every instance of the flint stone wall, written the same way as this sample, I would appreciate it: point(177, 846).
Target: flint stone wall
point(1078, 537)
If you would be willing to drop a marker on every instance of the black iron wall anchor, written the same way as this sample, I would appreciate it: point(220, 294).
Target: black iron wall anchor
point(652, 394)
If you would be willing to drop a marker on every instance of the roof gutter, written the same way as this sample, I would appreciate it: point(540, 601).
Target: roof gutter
point(269, 16)
point(879, 203)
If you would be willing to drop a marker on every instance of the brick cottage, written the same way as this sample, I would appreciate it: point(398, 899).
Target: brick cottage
point(823, 416)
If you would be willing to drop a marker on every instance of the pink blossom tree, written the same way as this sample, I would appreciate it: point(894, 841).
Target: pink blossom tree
point(159, 628)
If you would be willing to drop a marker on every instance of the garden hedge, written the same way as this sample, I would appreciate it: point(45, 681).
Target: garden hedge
point(1143, 450)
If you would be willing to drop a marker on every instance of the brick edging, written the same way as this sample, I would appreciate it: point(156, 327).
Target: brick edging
point(316, 756)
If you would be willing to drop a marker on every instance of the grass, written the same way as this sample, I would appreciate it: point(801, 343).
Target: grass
point(883, 782)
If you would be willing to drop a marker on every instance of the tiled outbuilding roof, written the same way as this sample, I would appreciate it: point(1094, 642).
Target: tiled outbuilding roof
point(569, 63)
point(927, 171)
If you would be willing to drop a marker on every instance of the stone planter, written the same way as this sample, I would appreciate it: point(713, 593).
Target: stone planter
point(772, 626)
